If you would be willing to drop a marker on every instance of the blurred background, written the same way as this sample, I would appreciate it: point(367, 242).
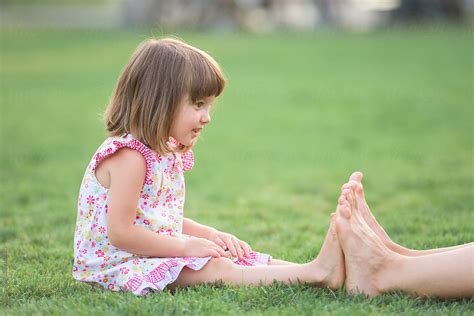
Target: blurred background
point(261, 16)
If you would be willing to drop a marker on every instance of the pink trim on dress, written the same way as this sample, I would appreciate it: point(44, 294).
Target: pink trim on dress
point(166, 273)
point(132, 144)
point(255, 259)
point(188, 160)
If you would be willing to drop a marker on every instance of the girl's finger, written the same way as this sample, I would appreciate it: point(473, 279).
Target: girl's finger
point(215, 253)
point(238, 248)
point(250, 248)
point(221, 243)
point(221, 251)
point(213, 246)
point(231, 247)
point(245, 247)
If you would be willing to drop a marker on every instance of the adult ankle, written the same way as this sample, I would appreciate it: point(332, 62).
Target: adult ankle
point(386, 279)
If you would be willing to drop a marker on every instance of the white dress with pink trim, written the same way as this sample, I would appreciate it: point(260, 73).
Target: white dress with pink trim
point(159, 209)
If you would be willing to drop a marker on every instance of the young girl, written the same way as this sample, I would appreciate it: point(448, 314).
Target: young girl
point(131, 233)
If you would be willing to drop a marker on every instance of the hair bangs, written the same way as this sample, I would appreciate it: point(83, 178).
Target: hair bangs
point(206, 78)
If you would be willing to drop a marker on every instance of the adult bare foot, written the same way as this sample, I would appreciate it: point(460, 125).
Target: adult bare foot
point(355, 184)
point(366, 257)
point(330, 259)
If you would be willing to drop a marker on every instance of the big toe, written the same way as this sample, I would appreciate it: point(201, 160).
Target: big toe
point(356, 176)
point(359, 192)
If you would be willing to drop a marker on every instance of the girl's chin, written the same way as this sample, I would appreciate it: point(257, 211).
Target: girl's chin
point(189, 142)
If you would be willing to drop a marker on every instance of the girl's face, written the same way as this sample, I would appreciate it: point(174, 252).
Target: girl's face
point(191, 119)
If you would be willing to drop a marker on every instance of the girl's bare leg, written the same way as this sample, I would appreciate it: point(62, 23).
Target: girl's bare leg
point(371, 221)
point(327, 270)
point(279, 262)
point(373, 269)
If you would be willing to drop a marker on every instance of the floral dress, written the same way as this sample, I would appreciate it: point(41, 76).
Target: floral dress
point(159, 209)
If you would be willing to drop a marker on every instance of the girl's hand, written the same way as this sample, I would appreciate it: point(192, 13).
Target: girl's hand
point(201, 247)
point(237, 247)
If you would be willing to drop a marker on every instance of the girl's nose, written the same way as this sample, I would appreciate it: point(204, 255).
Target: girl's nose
point(206, 117)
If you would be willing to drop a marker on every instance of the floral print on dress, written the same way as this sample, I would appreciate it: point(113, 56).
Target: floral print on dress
point(159, 209)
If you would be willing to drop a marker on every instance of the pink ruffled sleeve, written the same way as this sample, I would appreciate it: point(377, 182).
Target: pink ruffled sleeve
point(132, 144)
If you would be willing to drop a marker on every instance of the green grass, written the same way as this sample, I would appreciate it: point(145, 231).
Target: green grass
point(301, 112)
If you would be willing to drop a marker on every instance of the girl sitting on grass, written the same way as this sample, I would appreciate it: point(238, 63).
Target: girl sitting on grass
point(131, 233)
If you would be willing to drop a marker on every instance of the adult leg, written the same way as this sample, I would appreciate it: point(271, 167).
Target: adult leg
point(327, 270)
point(374, 269)
point(447, 274)
point(371, 221)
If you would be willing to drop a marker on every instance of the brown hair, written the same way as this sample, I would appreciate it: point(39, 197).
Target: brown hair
point(155, 80)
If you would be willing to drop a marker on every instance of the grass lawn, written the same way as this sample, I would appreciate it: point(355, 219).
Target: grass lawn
point(301, 112)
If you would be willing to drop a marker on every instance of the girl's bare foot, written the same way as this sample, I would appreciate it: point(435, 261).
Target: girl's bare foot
point(330, 259)
point(366, 257)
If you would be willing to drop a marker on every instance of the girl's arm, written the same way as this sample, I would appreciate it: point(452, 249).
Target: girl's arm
point(140, 241)
point(193, 228)
point(126, 170)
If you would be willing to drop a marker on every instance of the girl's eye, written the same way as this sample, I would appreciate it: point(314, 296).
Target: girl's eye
point(200, 104)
